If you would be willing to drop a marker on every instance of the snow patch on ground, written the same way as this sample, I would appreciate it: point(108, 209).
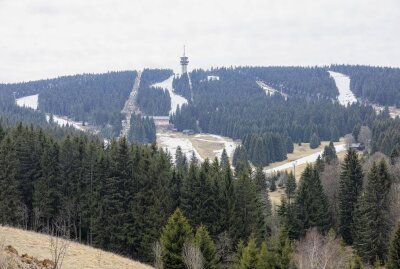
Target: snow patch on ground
point(211, 78)
point(308, 159)
point(64, 121)
point(269, 90)
point(30, 101)
point(346, 96)
point(171, 143)
point(176, 100)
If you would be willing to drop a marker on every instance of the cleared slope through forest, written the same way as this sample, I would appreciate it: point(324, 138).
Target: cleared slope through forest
point(346, 96)
point(77, 256)
point(130, 107)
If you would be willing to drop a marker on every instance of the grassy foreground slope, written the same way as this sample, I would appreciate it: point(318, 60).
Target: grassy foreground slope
point(78, 255)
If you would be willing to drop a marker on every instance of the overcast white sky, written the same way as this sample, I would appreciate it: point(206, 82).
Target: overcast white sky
point(47, 38)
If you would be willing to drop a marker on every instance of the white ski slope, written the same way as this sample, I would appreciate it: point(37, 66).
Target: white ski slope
point(176, 100)
point(31, 101)
point(171, 143)
point(346, 96)
point(308, 159)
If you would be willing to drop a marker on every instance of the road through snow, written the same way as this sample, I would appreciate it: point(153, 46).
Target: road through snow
point(308, 159)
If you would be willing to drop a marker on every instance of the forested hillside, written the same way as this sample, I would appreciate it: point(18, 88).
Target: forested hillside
point(154, 101)
point(235, 106)
point(142, 130)
point(94, 98)
point(379, 85)
point(131, 200)
point(304, 81)
point(182, 87)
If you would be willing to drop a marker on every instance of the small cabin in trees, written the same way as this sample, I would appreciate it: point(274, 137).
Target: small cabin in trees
point(188, 132)
point(358, 146)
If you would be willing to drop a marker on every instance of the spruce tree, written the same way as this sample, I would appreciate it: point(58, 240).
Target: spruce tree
point(174, 235)
point(372, 224)
point(351, 179)
point(314, 141)
point(290, 188)
point(311, 205)
point(248, 259)
point(203, 240)
point(260, 179)
point(394, 251)
point(10, 190)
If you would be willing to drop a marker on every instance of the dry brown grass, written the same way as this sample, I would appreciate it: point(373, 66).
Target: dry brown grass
point(78, 256)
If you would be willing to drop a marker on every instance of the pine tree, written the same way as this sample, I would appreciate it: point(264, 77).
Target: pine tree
point(10, 191)
point(260, 179)
point(351, 179)
point(394, 251)
point(248, 259)
point(311, 205)
point(290, 188)
point(248, 210)
point(174, 235)
point(314, 141)
point(224, 158)
point(372, 226)
point(329, 153)
point(203, 240)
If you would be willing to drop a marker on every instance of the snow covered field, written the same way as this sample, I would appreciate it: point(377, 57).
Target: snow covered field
point(346, 96)
point(203, 145)
point(170, 142)
point(176, 100)
point(31, 101)
point(307, 159)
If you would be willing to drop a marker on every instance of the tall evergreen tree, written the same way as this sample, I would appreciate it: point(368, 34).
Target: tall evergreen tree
point(394, 251)
point(203, 240)
point(372, 224)
point(248, 259)
point(175, 234)
point(351, 180)
point(311, 205)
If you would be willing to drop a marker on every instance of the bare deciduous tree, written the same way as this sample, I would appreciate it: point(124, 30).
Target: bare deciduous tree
point(157, 252)
point(225, 252)
point(330, 178)
point(349, 139)
point(59, 242)
point(318, 252)
point(365, 137)
point(192, 256)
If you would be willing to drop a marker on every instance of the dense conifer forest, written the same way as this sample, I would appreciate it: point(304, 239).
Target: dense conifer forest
point(374, 84)
point(154, 101)
point(235, 106)
point(142, 130)
point(118, 197)
point(181, 86)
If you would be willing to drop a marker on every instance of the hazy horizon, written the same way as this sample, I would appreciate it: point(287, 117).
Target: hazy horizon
point(45, 39)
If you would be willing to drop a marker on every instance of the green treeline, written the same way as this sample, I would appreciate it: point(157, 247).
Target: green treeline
point(235, 106)
point(181, 86)
point(142, 130)
point(154, 101)
point(374, 84)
